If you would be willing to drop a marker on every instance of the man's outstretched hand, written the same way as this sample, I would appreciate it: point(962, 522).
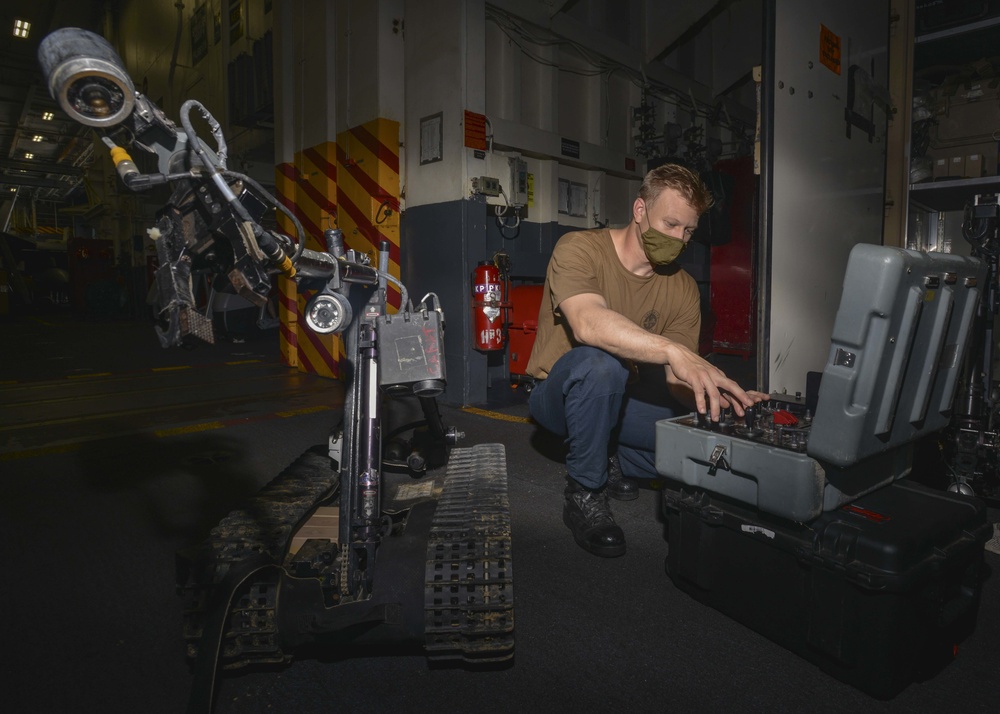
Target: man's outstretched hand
point(712, 391)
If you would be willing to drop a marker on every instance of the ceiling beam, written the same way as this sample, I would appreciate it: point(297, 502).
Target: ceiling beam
point(655, 72)
point(40, 167)
point(665, 23)
point(557, 6)
point(665, 43)
point(33, 182)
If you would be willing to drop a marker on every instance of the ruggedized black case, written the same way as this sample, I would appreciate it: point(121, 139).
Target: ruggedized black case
point(879, 593)
point(830, 551)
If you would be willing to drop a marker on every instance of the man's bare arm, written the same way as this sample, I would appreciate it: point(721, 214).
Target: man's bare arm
point(593, 323)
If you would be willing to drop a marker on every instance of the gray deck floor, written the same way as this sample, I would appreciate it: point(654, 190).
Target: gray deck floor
point(115, 454)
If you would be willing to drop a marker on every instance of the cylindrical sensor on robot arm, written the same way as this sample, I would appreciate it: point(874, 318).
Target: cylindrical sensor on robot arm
point(87, 77)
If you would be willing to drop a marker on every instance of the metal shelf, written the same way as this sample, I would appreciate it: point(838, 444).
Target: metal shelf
point(951, 194)
point(958, 30)
point(956, 46)
point(947, 49)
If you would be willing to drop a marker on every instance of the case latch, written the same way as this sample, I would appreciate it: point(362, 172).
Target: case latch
point(717, 460)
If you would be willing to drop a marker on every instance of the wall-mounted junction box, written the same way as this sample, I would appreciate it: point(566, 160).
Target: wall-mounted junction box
point(486, 186)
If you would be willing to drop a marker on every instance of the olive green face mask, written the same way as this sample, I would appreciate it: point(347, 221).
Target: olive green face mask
point(660, 248)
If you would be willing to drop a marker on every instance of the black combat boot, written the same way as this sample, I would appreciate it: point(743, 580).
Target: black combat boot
point(619, 487)
point(588, 515)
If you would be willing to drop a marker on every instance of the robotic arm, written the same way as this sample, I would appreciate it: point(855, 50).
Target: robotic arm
point(212, 218)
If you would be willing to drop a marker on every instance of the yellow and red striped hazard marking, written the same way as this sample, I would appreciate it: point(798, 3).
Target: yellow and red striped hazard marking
point(354, 185)
point(368, 190)
point(288, 310)
point(308, 188)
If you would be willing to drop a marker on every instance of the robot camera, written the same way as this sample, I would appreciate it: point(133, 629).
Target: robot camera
point(328, 313)
point(87, 77)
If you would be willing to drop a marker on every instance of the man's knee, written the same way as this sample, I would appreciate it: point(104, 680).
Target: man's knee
point(580, 381)
point(595, 366)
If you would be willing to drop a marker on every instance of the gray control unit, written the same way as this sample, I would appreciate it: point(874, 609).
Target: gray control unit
point(895, 359)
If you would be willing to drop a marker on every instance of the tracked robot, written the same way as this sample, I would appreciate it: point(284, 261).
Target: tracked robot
point(420, 556)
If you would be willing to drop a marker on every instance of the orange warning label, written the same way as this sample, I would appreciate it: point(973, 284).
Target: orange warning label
point(829, 48)
point(475, 130)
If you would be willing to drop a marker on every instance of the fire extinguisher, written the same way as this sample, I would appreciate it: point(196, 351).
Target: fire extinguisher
point(489, 306)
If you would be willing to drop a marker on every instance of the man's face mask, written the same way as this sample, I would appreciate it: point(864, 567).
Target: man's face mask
point(660, 248)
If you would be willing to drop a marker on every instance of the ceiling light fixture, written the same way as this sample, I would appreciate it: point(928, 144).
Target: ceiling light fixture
point(48, 116)
point(37, 137)
point(29, 155)
point(21, 28)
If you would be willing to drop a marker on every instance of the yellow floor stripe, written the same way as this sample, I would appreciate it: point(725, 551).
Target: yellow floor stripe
point(85, 376)
point(304, 410)
point(190, 429)
point(498, 415)
point(41, 451)
point(245, 361)
point(161, 433)
point(171, 369)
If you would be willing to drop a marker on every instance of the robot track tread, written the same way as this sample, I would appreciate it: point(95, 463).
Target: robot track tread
point(250, 537)
point(468, 587)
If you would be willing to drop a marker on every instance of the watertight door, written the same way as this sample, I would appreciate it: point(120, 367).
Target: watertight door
point(825, 106)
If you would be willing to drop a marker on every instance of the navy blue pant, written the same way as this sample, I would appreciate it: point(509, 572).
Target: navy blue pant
point(587, 399)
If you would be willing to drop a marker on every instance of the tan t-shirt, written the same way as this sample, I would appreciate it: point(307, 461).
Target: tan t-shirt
point(586, 262)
